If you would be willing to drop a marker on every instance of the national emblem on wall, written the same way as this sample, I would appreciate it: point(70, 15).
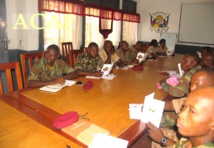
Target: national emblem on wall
point(159, 22)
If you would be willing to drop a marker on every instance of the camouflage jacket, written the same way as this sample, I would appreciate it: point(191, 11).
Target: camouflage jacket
point(42, 72)
point(89, 65)
point(104, 56)
point(183, 143)
point(182, 87)
point(128, 56)
point(151, 50)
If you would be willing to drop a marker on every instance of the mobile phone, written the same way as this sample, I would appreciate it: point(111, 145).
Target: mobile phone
point(79, 83)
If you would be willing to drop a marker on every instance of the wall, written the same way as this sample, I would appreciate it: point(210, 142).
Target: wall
point(167, 6)
point(24, 39)
point(28, 39)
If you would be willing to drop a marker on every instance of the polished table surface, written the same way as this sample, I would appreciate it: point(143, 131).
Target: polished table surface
point(106, 103)
point(167, 63)
point(19, 131)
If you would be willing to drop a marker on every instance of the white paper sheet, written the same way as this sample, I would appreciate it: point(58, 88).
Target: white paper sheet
point(106, 141)
point(107, 69)
point(135, 111)
point(152, 110)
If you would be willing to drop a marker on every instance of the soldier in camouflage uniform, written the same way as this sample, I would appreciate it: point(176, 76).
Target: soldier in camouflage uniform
point(201, 78)
point(89, 63)
point(196, 120)
point(50, 70)
point(189, 65)
point(125, 54)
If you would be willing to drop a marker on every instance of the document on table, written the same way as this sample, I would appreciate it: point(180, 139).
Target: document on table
point(152, 110)
point(106, 141)
point(57, 87)
point(107, 77)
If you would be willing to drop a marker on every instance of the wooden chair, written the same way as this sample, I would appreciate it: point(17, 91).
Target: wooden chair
point(29, 58)
point(66, 47)
point(73, 56)
point(8, 68)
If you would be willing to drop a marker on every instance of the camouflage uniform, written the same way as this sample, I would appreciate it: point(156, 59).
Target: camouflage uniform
point(169, 133)
point(183, 143)
point(129, 56)
point(89, 65)
point(178, 104)
point(104, 56)
point(169, 118)
point(182, 87)
point(151, 50)
point(42, 72)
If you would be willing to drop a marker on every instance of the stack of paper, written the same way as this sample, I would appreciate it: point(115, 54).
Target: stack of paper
point(106, 141)
point(107, 77)
point(173, 72)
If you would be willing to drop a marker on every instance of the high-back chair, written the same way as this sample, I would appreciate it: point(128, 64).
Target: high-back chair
point(29, 58)
point(73, 56)
point(66, 47)
point(8, 68)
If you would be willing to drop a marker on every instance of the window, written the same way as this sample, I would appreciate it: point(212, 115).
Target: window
point(60, 27)
point(92, 32)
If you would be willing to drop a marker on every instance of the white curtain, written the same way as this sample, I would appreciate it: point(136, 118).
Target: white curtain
point(130, 32)
point(60, 27)
point(92, 32)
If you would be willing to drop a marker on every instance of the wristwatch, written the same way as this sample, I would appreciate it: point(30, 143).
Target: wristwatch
point(163, 141)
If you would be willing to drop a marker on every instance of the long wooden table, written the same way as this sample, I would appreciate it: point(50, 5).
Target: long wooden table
point(106, 103)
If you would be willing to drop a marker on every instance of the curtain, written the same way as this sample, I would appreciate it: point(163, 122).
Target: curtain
point(85, 9)
point(129, 33)
point(62, 6)
point(62, 28)
point(92, 32)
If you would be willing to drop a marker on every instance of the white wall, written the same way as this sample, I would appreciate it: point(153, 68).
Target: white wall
point(167, 6)
point(19, 38)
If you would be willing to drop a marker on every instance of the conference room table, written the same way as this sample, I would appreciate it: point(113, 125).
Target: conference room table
point(106, 105)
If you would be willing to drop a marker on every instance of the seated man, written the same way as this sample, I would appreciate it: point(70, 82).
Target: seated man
point(152, 50)
point(125, 54)
point(196, 120)
point(108, 54)
point(161, 50)
point(201, 78)
point(50, 70)
point(189, 65)
point(207, 61)
point(138, 48)
point(89, 63)
point(206, 50)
